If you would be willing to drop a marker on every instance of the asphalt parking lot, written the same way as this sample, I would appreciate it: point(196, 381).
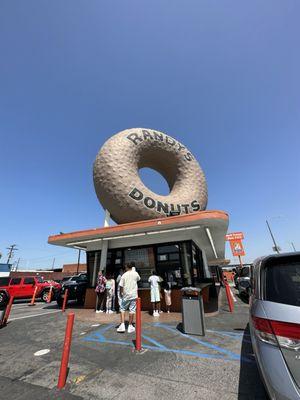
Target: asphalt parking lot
point(104, 365)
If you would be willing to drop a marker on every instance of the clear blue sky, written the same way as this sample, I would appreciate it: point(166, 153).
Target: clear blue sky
point(220, 76)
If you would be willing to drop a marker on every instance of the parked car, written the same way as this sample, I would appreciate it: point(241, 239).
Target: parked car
point(275, 323)
point(66, 278)
point(242, 282)
point(24, 287)
point(76, 289)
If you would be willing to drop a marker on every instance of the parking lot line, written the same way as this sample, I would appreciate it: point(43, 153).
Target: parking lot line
point(34, 315)
point(202, 342)
point(149, 339)
point(226, 355)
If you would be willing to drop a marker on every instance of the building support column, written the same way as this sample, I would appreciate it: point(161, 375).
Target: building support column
point(104, 247)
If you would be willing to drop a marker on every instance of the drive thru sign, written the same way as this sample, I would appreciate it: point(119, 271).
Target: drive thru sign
point(234, 236)
point(237, 247)
point(235, 240)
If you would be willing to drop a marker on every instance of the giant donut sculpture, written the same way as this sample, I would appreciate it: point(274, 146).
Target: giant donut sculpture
point(120, 189)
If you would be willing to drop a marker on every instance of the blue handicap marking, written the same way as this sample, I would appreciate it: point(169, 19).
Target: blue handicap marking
point(100, 336)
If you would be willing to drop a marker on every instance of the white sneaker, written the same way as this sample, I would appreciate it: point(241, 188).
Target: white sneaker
point(107, 312)
point(110, 312)
point(121, 328)
point(161, 311)
point(98, 311)
point(156, 314)
point(168, 312)
point(131, 329)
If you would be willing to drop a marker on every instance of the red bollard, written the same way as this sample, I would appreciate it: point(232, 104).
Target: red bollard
point(32, 303)
point(7, 311)
point(66, 352)
point(50, 294)
point(65, 300)
point(138, 326)
point(229, 297)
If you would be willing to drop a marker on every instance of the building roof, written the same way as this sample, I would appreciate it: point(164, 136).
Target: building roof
point(206, 228)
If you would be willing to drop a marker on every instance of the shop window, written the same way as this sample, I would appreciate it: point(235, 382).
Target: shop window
point(174, 256)
point(93, 266)
point(169, 265)
point(185, 248)
point(144, 260)
point(197, 264)
point(168, 249)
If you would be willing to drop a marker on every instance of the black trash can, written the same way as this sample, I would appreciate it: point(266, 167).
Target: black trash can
point(192, 311)
point(4, 300)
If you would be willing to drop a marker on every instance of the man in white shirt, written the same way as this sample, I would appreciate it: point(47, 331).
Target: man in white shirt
point(128, 294)
point(154, 281)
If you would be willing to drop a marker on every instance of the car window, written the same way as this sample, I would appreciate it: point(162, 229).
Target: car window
point(39, 279)
point(82, 278)
point(29, 281)
point(282, 283)
point(4, 281)
point(15, 281)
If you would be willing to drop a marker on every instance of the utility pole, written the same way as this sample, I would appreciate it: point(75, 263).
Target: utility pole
point(11, 249)
point(17, 266)
point(293, 246)
point(276, 248)
point(78, 261)
point(53, 263)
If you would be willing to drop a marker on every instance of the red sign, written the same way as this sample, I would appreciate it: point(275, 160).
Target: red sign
point(235, 236)
point(237, 247)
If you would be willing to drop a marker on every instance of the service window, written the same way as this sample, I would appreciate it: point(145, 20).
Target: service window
point(29, 281)
point(15, 281)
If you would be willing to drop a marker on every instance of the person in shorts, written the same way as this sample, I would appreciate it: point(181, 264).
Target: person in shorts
point(168, 299)
point(128, 295)
point(121, 272)
point(154, 281)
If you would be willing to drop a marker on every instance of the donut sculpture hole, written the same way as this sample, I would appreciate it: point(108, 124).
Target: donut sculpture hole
point(154, 181)
point(121, 190)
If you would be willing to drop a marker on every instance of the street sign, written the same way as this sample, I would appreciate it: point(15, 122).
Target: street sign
point(237, 248)
point(235, 236)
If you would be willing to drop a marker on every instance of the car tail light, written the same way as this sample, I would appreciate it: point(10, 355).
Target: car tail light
point(284, 334)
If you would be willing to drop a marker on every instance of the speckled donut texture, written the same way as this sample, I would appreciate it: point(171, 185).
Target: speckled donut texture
point(120, 189)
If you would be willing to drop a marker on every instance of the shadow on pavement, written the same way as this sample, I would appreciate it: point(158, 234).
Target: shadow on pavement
point(250, 384)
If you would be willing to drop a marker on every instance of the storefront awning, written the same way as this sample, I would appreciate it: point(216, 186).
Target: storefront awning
point(206, 228)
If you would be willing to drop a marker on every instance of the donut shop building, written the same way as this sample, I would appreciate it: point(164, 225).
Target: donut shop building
point(184, 250)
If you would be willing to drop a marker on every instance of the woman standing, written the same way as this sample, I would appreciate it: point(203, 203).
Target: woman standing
point(101, 292)
point(110, 294)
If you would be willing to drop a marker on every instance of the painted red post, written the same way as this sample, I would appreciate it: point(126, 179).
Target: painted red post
point(7, 311)
point(66, 352)
point(50, 294)
point(65, 300)
point(32, 303)
point(138, 326)
point(229, 297)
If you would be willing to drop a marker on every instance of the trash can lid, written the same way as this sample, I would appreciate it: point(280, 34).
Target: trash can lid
point(191, 289)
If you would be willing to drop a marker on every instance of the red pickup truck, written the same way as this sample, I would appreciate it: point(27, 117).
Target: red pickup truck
point(23, 288)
